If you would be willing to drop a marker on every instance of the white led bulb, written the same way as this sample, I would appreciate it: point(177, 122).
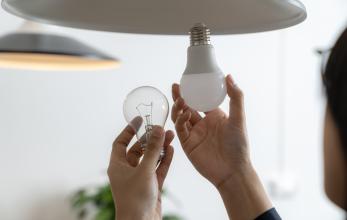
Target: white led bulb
point(203, 83)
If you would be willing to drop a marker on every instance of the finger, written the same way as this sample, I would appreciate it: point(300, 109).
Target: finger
point(164, 165)
point(134, 154)
point(153, 149)
point(176, 91)
point(217, 110)
point(181, 126)
point(176, 95)
point(121, 143)
point(236, 106)
point(169, 136)
point(177, 109)
point(136, 123)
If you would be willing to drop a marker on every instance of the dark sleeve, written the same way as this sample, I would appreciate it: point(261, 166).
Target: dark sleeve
point(269, 215)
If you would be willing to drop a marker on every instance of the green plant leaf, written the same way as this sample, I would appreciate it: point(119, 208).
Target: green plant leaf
point(171, 217)
point(82, 214)
point(105, 214)
point(80, 199)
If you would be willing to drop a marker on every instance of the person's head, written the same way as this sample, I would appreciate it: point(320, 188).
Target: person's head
point(335, 132)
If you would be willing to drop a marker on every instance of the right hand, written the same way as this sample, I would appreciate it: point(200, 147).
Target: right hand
point(216, 144)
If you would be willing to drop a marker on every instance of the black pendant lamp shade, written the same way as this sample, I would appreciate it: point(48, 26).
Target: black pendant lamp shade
point(41, 51)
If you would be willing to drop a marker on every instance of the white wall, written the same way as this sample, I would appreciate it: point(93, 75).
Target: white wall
point(56, 128)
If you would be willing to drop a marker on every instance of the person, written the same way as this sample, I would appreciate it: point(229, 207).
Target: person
point(217, 146)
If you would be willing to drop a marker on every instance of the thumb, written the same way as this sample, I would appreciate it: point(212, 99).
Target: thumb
point(236, 106)
point(153, 149)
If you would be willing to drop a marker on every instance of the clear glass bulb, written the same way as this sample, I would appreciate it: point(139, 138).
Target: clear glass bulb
point(150, 105)
point(203, 83)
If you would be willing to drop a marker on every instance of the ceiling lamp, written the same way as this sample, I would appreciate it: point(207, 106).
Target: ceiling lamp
point(30, 47)
point(163, 17)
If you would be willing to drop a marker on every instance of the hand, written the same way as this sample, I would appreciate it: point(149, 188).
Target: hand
point(217, 144)
point(136, 185)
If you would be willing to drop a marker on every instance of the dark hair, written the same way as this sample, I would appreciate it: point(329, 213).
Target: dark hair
point(335, 82)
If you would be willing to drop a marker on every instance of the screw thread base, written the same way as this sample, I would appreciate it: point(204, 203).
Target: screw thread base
point(199, 35)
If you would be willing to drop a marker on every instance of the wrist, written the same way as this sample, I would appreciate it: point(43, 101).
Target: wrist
point(244, 195)
point(129, 212)
point(241, 176)
point(131, 215)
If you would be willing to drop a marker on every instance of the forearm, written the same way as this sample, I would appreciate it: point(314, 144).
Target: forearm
point(126, 217)
point(128, 213)
point(244, 195)
point(134, 216)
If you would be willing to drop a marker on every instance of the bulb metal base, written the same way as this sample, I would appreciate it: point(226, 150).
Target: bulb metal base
point(199, 35)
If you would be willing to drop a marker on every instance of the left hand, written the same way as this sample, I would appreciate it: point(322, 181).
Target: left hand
point(136, 185)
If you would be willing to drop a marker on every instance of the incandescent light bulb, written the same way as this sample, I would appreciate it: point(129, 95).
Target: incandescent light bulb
point(150, 105)
point(203, 83)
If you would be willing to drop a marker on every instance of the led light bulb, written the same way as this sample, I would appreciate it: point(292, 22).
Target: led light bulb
point(150, 105)
point(203, 83)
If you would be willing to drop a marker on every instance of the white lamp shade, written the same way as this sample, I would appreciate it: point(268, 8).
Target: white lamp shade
point(162, 17)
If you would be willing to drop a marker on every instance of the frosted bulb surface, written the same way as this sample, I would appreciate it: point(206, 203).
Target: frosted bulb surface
point(149, 104)
point(202, 84)
point(204, 91)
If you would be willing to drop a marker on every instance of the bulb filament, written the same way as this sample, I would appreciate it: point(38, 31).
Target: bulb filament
point(145, 110)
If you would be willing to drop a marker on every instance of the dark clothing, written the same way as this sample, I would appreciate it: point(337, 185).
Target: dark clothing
point(269, 215)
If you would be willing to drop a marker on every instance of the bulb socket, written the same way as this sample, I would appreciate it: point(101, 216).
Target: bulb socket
point(199, 35)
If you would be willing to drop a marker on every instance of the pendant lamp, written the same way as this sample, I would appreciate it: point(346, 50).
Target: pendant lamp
point(31, 47)
point(162, 17)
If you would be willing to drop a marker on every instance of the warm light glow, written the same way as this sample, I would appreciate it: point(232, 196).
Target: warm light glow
point(51, 62)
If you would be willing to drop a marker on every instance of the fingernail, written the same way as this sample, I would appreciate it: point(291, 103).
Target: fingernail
point(157, 132)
